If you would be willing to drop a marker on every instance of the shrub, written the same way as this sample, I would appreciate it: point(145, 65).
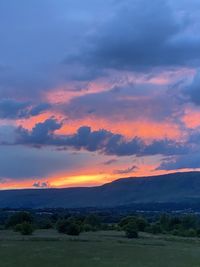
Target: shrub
point(141, 224)
point(190, 233)
point(126, 220)
point(154, 228)
point(94, 221)
point(19, 218)
point(198, 232)
point(44, 224)
point(24, 228)
point(87, 228)
point(68, 226)
point(176, 232)
point(131, 230)
point(17, 227)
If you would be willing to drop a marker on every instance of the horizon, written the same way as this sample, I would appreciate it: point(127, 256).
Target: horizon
point(99, 185)
point(92, 92)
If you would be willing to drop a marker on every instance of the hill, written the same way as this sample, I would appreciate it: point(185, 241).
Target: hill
point(169, 188)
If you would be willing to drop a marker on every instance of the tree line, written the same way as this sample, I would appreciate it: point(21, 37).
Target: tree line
point(179, 225)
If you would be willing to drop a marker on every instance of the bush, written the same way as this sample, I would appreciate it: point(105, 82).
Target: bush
point(19, 218)
point(17, 228)
point(198, 232)
point(25, 228)
point(190, 233)
point(68, 226)
point(154, 228)
point(126, 220)
point(94, 221)
point(87, 228)
point(176, 232)
point(44, 224)
point(141, 224)
point(131, 230)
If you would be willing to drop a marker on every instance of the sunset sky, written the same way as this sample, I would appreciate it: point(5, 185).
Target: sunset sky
point(92, 91)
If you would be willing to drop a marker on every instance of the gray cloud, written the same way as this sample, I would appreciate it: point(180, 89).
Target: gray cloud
point(129, 102)
point(190, 160)
point(23, 162)
point(109, 162)
point(126, 171)
point(142, 35)
point(41, 134)
point(192, 91)
point(41, 185)
point(14, 109)
point(102, 140)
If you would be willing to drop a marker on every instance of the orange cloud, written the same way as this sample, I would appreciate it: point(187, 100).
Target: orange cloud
point(191, 118)
point(141, 128)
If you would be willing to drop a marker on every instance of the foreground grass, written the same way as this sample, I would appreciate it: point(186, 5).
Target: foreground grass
point(109, 249)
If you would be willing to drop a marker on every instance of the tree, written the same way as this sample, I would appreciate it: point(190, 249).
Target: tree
point(68, 226)
point(131, 230)
point(154, 228)
point(141, 224)
point(126, 220)
point(24, 228)
point(94, 221)
point(44, 223)
point(19, 218)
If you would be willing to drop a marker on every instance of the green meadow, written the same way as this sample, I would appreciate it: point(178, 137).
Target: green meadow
point(47, 248)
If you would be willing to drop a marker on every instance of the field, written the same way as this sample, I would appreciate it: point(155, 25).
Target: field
point(46, 248)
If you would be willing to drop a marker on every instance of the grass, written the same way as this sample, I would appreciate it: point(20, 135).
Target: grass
point(100, 249)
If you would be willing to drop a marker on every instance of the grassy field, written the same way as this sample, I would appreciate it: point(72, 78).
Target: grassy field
point(100, 249)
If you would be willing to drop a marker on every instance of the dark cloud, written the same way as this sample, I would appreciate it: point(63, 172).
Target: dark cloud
point(130, 102)
point(191, 161)
point(13, 109)
point(19, 162)
point(139, 36)
point(43, 134)
point(126, 171)
point(192, 91)
point(41, 185)
point(168, 146)
point(24, 162)
point(109, 162)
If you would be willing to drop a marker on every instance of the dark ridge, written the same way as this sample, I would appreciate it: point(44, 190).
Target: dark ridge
point(169, 188)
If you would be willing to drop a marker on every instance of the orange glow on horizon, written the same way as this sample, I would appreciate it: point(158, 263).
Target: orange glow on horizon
point(86, 180)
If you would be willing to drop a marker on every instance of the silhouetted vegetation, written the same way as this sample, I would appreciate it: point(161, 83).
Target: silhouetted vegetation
point(68, 226)
point(19, 218)
point(24, 228)
point(73, 222)
point(131, 230)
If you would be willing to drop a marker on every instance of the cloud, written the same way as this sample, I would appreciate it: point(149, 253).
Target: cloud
point(14, 109)
point(139, 36)
point(27, 163)
point(126, 103)
point(109, 162)
point(43, 134)
point(126, 171)
point(41, 184)
point(190, 161)
point(192, 91)
point(168, 146)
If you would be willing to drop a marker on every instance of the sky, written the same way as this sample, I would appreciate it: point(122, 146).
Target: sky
point(92, 91)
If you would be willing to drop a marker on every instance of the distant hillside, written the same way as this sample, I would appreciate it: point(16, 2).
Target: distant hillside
point(170, 188)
